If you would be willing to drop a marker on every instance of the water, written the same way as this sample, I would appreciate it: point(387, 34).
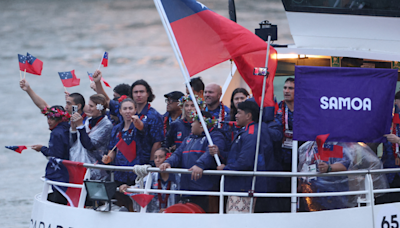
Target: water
point(69, 35)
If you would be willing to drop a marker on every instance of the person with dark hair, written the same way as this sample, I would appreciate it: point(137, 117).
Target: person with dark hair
point(391, 157)
point(89, 140)
point(120, 90)
point(57, 119)
point(193, 154)
point(181, 128)
point(284, 117)
point(197, 87)
point(241, 157)
point(212, 95)
point(142, 94)
point(162, 181)
point(173, 112)
point(238, 95)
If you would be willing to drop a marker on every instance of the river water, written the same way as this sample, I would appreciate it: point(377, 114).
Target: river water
point(72, 34)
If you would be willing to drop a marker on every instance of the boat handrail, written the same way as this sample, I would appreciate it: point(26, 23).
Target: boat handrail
point(245, 173)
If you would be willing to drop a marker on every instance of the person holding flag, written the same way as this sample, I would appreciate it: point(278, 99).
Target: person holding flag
point(318, 157)
point(57, 119)
point(193, 154)
point(127, 146)
point(142, 95)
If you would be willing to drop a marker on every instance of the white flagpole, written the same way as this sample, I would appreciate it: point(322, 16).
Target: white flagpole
point(228, 80)
point(253, 184)
point(184, 70)
point(102, 57)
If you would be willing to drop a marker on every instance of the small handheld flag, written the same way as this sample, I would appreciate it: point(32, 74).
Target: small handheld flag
point(30, 63)
point(104, 61)
point(102, 79)
point(69, 78)
point(17, 149)
point(332, 151)
point(142, 199)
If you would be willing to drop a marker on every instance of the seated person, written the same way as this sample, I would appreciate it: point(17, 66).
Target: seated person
point(162, 181)
point(181, 128)
point(309, 161)
point(193, 154)
point(89, 141)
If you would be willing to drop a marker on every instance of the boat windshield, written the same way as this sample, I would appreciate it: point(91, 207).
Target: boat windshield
point(386, 8)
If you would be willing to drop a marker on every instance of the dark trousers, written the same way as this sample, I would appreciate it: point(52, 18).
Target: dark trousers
point(201, 201)
point(392, 196)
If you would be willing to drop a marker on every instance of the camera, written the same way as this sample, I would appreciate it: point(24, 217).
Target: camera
point(260, 71)
point(74, 109)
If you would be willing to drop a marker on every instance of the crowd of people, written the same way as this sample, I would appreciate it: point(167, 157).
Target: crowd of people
point(89, 133)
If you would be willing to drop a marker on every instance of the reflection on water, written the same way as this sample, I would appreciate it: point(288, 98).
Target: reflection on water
point(69, 35)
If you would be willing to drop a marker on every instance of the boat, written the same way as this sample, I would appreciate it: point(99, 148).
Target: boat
point(360, 34)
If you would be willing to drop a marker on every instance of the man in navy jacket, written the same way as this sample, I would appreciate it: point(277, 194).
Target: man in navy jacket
point(193, 154)
point(243, 151)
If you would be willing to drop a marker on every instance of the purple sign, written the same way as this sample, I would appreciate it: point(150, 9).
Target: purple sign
point(350, 104)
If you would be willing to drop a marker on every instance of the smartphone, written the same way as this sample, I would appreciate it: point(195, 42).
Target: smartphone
point(74, 109)
point(260, 71)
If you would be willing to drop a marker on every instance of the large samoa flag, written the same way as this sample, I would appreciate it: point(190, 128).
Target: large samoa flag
point(350, 104)
point(206, 39)
point(68, 172)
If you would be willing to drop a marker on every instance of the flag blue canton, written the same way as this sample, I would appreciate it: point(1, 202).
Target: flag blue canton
point(22, 58)
point(30, 58)
point(12, 147)
point(178, 9)
point(105, 55)
point(328, 146)
point(65, 75)
point(90, 74)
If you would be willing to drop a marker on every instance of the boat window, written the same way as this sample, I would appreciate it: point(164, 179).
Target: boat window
point(387, 8)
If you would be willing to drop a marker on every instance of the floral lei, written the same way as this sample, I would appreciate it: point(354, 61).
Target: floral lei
point(121, 98)
point(56, 113)
point(185, 98)
point(209, 121)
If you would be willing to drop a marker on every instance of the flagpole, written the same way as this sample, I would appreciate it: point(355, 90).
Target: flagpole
point(24, 73)
point(184, 71)
point(253, 184)
point(98, 68)
point(65, 89)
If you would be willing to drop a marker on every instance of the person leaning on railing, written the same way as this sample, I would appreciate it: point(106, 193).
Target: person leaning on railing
point(193, 154)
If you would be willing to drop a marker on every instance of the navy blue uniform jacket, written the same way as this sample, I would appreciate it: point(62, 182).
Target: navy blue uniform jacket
point(241, 158)
point(58, 143)
point(194, 151)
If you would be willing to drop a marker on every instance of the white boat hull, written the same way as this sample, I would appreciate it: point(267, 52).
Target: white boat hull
point(47, 214)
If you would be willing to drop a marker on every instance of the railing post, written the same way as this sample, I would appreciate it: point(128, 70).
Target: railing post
point(294, 179)
point(221, 195)
point(45, 191)
point(146, 187)
point(82, 197)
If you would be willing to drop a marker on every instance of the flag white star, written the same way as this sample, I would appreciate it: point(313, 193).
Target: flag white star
point(55, 166)
point(202, 5)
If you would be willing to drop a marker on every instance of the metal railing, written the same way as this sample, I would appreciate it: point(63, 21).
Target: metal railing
point(368, 192)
